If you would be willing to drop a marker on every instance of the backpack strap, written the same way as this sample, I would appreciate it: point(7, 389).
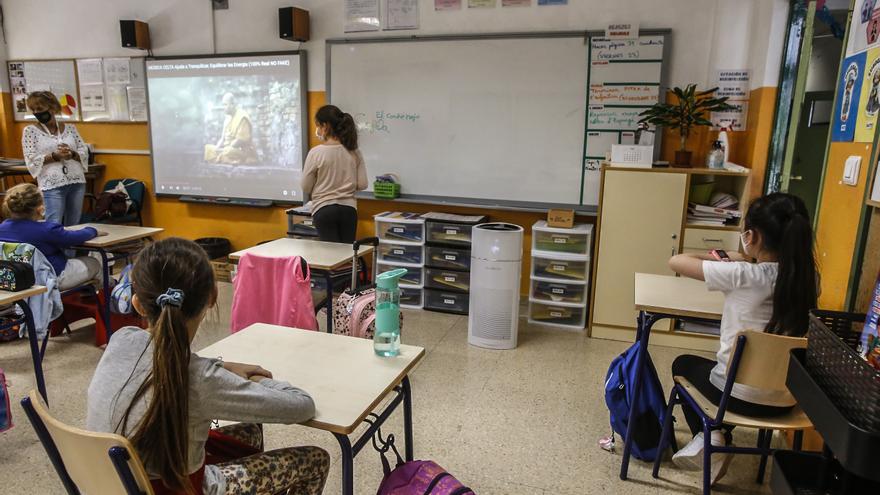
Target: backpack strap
point(462, 491)
point(436, 481)
point(364, 325)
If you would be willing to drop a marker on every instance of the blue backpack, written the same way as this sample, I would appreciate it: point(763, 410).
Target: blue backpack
point(651, 408)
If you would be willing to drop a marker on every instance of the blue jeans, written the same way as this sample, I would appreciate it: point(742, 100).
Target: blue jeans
point(64, 204)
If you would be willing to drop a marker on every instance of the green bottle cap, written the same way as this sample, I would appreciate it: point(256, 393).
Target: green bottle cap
point(389, 279)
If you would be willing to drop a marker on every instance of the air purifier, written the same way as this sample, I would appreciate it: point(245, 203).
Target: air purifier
point(496, 267)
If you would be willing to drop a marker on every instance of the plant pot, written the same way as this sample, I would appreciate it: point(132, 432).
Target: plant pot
point(683, 158)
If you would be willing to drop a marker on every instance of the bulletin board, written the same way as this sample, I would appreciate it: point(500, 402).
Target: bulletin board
point(57, 76)
point(625, 78)
point(112, 89)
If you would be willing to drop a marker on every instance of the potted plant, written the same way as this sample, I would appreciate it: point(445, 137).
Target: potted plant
point(690, 110)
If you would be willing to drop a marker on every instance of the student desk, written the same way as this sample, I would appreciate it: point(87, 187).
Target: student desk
point(322, 257)
point(20, 299)
point(117, 236)
point(658, 297)
point(344, 376)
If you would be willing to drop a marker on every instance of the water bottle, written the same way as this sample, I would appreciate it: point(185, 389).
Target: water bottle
point(386, 340)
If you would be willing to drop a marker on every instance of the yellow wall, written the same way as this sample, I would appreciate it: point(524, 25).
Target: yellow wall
point(839, 213)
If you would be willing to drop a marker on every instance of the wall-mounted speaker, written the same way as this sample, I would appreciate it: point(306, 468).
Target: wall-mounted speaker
point(293, 24)
point(135, 34)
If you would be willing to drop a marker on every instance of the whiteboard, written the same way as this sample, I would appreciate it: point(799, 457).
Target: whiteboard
point(57, 76)
point(482, 118)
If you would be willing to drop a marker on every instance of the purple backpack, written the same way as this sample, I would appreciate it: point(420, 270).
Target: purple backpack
point(417, 477)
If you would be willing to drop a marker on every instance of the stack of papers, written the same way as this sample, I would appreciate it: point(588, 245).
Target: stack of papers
point(722, 210)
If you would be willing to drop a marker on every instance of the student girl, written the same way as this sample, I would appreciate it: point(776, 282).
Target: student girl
point(333, 172)
point(152, 389)
point(774, 294)
point(57, 158)
point(24, 209)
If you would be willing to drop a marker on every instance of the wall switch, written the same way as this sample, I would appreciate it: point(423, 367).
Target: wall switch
point(851, 170)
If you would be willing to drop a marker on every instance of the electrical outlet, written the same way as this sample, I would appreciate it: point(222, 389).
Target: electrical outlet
point(851, 170)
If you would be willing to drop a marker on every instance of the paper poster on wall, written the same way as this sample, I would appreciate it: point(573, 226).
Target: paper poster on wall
point(137, 104)
point(401, 14)
point(733, 84)
point(92, 98)
point(734, 120)
point(482, 4)
point(447, 5)
point(361, 15)
point(864, 31)
point(117, 70)
point(90, 71)
point(849, 88)
point(869, 101)
point(516, 3)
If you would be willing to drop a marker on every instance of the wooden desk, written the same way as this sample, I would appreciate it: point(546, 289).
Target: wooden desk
point(658, 297)
point(343, 374)
point(323, 258)
point(118, 235)
point(319, 254)
point(20, 299)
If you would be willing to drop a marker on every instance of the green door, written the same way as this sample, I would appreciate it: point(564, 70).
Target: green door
point(809, 152)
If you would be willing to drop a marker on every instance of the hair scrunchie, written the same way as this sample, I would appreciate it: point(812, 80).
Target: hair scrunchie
point(174, 297)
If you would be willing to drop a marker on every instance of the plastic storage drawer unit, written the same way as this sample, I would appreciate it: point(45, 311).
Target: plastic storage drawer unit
point(447, 279)
point(449, 233)
point(410, 297)
point(576, 240)
point(572, 316)
point(556, 292)
point(560, 268)
point(448, 257)
point(446, 301)
point(400, 227)
point(401, 253)
point(414, 273)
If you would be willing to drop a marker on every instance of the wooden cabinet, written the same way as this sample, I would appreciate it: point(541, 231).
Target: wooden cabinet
point(642, 223)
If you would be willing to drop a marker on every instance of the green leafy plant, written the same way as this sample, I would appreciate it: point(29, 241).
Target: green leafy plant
point(690, 110)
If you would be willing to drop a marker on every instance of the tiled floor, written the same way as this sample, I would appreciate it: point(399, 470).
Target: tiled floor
point(524, 421)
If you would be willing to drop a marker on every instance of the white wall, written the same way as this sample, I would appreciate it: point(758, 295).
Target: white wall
point(90, 28)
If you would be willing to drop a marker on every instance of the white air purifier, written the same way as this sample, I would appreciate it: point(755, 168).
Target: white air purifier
point(496, 267)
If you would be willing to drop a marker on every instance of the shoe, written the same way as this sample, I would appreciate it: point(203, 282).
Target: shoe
point(690, 457)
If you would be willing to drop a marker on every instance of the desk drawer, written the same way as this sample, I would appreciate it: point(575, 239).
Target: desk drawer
point(706, 240)
point(447, 279)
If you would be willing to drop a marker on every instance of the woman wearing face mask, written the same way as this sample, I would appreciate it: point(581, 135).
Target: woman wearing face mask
point(774, 294)
point(333, 172)
point(57, 158)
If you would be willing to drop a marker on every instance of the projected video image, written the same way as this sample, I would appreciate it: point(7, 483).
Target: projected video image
point(229, 127)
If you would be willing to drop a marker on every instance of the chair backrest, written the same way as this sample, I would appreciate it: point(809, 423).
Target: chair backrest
point(136, 190)
point(764, 361)
point(85, 455)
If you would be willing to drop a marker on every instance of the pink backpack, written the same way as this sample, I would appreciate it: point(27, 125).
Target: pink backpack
point(416, 477)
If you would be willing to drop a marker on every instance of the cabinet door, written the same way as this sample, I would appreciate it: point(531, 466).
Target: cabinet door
point(641, 222)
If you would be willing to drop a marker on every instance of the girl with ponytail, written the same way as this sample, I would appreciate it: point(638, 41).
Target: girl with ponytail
point(774, 294)
point(152, 389)
point(333, 173)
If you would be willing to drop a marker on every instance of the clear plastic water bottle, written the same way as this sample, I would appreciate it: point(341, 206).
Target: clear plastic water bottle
point(386, 340)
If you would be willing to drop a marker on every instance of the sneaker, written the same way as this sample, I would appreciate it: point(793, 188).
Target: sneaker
point(690, 457)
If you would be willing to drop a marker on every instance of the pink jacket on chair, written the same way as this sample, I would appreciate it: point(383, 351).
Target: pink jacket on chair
point(273, 291)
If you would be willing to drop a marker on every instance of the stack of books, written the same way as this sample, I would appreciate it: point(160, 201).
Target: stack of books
point(722, 210)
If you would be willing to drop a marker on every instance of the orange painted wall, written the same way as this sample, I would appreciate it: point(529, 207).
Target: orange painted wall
point(839, 213)
point(747, 148)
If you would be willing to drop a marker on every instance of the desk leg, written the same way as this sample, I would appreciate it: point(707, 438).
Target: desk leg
point(407, 419)
point(35, 348)
point(328, 277)
point(347, 462)
point(643, 331)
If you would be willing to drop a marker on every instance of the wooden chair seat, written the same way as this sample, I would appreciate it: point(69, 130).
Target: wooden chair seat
point(796, 419)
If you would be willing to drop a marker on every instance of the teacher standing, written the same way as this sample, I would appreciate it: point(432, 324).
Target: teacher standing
point(333, 173)
point(57, 158)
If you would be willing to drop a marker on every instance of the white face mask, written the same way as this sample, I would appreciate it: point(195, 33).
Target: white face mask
point(745, 244)
point(318, 134)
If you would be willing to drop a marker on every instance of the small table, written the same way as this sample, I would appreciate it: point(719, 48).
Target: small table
point(322, 257)
point(20, 299)
point(344, 376)
point(95, 171)
point(658, 297)
point(116, 235)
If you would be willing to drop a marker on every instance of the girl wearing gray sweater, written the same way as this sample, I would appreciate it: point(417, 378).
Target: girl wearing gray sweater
point(152, 389)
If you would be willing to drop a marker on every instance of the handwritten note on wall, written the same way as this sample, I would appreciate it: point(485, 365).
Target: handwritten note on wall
point(623, 95)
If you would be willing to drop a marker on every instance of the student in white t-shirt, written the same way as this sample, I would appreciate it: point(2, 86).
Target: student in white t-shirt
point(774, 294)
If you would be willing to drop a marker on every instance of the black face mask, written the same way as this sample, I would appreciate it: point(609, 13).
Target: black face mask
point(43, 117)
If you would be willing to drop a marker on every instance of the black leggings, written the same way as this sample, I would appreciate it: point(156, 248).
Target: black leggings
point(697, 369)
point(336, 223)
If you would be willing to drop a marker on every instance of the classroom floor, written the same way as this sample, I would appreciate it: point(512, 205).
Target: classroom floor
point(504, 422)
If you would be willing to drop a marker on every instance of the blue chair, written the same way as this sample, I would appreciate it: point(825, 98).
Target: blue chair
point(136, 192)
point(759, 360)
point(87, 462)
